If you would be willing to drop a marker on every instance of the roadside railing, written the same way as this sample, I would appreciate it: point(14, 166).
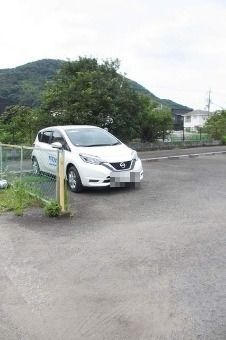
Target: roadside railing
point(160, 145)
point(40, 170)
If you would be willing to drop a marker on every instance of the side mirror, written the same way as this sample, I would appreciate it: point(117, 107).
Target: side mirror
point(57, 145)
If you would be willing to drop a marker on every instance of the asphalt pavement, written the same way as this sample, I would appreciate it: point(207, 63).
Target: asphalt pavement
point(136, 264)
point(183, 151)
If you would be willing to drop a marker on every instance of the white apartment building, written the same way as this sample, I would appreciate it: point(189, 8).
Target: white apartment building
point(193, 120)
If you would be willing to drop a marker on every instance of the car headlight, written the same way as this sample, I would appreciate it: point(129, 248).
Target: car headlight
point(91, 159)
point(134, 155)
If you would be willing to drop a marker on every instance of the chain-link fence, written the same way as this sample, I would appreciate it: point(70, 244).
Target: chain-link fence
point(176, 139)
point(40, 170)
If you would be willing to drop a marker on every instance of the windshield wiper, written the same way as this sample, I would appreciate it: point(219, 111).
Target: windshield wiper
point(116, 143)
point(97, 145)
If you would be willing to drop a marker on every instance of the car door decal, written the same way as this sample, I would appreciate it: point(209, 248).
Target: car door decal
point(52, 160)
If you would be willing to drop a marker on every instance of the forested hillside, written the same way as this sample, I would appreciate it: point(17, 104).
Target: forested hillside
point(84, 91)
point(24, 84)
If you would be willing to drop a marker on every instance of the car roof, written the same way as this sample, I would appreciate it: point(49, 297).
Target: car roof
point(68, 127)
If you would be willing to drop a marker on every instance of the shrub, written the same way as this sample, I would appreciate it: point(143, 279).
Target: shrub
point(223, 140)
point(52, 209)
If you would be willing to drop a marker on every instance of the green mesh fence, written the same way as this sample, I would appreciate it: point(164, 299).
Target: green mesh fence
point(35, 168)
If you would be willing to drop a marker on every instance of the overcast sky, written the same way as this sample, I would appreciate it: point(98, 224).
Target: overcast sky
point(175, 48)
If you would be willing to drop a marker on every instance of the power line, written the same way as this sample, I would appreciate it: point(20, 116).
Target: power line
point(221, 107)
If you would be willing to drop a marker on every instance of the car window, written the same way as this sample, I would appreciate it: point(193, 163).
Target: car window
point(57, 137)
point(45, 137)
point(39, 136)
point(91, 137)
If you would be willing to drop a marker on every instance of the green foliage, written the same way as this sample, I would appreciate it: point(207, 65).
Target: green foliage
point(172, 105)
point(216, 125)
point(52, 209)
point(16, 198)
point(23, 85)
point(18, 125)
point(85, 92)
point(78, 92)
point(143, 91)
point(155, 122)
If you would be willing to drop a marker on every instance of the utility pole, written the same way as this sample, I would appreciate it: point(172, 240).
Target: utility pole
point(209, 101)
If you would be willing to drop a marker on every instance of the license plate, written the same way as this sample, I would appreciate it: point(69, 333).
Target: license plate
point(118, 178)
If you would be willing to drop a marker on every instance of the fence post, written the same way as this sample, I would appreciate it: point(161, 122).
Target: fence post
point(58, 177)
point(1, 163)
point(61, 180)
point(21, 162)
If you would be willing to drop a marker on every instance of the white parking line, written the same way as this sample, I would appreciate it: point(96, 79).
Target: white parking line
point(182, 156)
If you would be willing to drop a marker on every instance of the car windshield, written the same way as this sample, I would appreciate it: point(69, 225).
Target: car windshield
point(89, 137)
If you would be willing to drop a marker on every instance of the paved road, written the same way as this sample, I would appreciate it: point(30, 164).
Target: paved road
point(178, 151)
point(140, 264)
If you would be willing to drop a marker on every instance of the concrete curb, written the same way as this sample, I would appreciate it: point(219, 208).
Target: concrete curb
point(191, 155)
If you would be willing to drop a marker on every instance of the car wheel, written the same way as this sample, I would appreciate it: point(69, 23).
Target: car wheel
point(35, 166)
point(74, 180)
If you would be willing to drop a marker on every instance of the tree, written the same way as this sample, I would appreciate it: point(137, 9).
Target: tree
point(18, 125)
point(85, 92)
point(154, 122)
point(216, 125)
point(164, 121)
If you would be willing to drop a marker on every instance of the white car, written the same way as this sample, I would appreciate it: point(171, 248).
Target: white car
point(93, 157)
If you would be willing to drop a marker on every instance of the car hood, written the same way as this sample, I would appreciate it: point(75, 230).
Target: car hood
point(113, 153)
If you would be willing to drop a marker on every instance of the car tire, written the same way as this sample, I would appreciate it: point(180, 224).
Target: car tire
point(35, 166)
point(74, 180)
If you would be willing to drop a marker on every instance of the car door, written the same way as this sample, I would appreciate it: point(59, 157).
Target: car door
point(53, 152)
point(44, 150)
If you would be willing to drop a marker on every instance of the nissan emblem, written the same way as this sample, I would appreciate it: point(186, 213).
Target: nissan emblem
point(122, 165)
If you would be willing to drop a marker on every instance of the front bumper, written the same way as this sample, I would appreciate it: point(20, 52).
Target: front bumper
point(100, 175)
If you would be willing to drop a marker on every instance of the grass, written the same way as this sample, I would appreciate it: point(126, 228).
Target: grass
point(17, 199)
point(20, 196)
point(30, 178)
point(189, 137)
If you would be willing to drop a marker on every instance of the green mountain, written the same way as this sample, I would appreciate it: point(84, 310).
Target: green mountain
point(165, 102)
point(24, 84)
point(139, 88)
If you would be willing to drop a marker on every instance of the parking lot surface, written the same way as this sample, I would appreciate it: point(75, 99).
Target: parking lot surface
point(136, 264)
point(181, 151)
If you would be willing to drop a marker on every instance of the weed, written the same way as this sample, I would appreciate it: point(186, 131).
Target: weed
point(52, 209)
point(16, 198)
